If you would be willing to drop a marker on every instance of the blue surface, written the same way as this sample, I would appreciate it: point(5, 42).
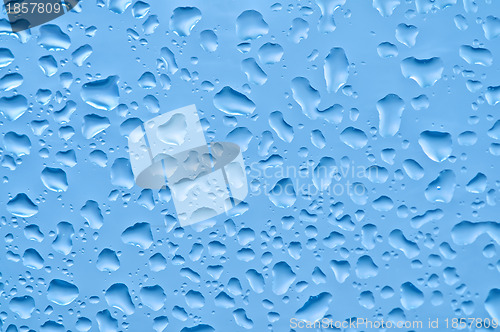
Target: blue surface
point(415, 92)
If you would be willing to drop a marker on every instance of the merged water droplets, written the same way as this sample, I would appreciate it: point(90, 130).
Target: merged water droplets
point(253, 71)
point(13, 107)
point(169, 59)
point(426, 72)
point(306, 96)
point(63, 243)
point(92, 213)
point(326, 22)
point(407, 34)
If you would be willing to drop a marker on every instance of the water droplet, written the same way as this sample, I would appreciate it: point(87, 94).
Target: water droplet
point(283, 193)
point(13, 107)
point(390, 109)
point(22, 206)
point(22, 306)
point(386, 7)
point(426, 72)
point(251, 25)
point(491, 27)
point(6, 57)
point(411, 296)
point(270, 53)
point(209, 40)
point(436, 145)
point(336, 69)
point(233, 102)
point(353, 137)
point(138, 235)
point(184, 19)
point(442, 188)
point(407, 34)
point(476, 55)
point(118, 296)
point(387, 50)
point(62, 292)
point(54, 179)
point(53, 39)
point(101, 94)
point(315, 308)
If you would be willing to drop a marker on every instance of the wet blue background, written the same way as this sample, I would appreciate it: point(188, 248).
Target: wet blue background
point(359, 30)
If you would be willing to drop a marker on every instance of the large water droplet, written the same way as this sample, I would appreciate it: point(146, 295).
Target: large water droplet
point(336, 69)
point(426, 72)
point(283, 193)
point(233, 102)
point(22, 206)
point(102, 94)
point(436, 145)
point(184, 19)
point(251, 25)
point(62, 292)
point(390, 109)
